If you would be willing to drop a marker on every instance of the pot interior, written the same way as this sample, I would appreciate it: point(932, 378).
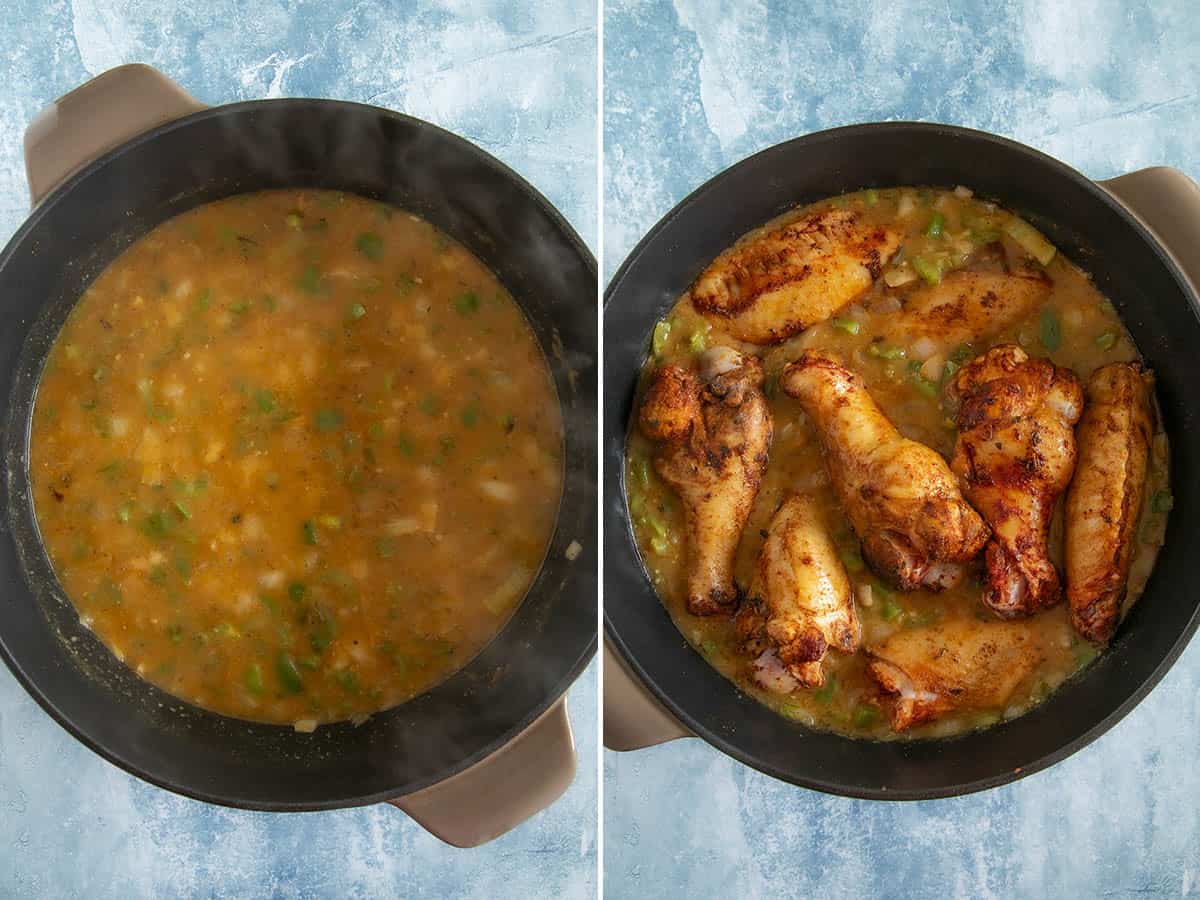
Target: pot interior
point(1126, 265)
point(83, 226)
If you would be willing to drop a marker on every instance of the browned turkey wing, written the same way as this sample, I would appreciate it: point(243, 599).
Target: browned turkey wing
point(964, 664)
point(1014, 456)
point(714, 430)
point(801, 593)
point(899, 495)
point(1105, 497)
point(967, 307)
point(771, 286)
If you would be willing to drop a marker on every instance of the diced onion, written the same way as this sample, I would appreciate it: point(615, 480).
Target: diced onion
point(864, 595)
point(573, 550)
point(899, 275)
point(963, 192)
point(271, 580)
point(922, 348)
point(888, 303)
point(509, 591)
point(499, 490)
point(401, 527)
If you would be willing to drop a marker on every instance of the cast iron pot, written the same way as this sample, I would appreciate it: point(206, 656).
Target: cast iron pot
point(472, 756)
point(676, 692)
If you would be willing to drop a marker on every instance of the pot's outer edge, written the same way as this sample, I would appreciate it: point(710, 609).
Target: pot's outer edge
point(619, 541)
point(553, 695)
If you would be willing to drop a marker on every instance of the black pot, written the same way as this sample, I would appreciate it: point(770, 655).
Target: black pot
point(212, 153)
point(1130, 265)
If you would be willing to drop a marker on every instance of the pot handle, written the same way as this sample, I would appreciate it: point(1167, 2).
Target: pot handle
point(501, 791)
point(633, 719)
point(1167, 202)
point(95, 117)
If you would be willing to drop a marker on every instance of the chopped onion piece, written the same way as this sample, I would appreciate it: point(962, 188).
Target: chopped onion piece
point(864, 595)
point(509, 591)
point(899, 275)
point(499, 490)
point(922, 348)
point(271, 580)
point(888, 303)
point(401, 527)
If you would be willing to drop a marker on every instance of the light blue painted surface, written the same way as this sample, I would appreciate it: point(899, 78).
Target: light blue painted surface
point(518, 79)
point(695, 85)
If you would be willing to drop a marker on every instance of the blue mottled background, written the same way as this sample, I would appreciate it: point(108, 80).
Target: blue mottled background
point(695, 85)
point(519, 79)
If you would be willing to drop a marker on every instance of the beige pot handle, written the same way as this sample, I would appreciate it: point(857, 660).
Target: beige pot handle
point(503, 790)
point(1167, 202)
point(633, 719)
point(95, 117)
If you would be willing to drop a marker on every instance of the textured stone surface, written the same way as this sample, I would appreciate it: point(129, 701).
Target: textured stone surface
point(695, 85)
point(518, 79)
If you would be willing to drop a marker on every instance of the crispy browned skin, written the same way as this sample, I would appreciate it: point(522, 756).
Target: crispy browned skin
point(770, 287)
point(1105, 497)
point(926, 672)
point(801, 595)
point(900, 496)
point(714, 431)
point(1014, 456)
point(967, 307)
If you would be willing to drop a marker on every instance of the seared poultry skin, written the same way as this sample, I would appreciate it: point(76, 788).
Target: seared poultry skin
point(967, 307)
point(1014, 456)
point(925, 673)
point(1105, 497)
point(713, 429)
point(801, 598)
point(900, 496)
point(777, 284)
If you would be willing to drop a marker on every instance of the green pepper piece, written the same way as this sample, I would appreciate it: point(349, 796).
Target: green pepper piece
point(865, 716)
point(662, 331)
point(928, 269)
point(369, 244)
point(289, 675)
point(254, 679)
point(1050, 330)
point(850, 326)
